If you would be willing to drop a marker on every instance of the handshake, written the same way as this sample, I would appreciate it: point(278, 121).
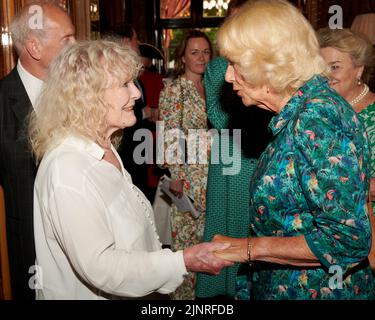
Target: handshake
point(211, 257)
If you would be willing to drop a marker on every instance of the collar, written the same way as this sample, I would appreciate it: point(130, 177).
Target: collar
point(279, 121)
point(90, 147)
point(94, 150)
point(32, 84)
point(186, 81)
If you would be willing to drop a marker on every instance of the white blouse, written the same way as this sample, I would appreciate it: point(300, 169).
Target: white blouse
point(94, 230)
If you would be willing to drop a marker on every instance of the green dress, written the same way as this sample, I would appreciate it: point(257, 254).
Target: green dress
point(312, 181)
point(367, 115)
point(228, 196)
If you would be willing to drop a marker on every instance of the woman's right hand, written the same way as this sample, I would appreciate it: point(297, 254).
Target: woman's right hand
point(202, 257)
point(177, 187)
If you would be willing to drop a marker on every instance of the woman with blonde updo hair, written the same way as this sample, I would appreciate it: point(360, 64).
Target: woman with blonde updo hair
point(95, 235)
point(308, 194)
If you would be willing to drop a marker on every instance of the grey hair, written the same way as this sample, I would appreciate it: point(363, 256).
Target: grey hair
point(21, 29)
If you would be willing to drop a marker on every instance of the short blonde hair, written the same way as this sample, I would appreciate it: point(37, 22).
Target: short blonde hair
point(354, 43)
point(273, 44)
point(71, 102)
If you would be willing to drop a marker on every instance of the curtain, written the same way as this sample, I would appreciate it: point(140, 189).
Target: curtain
point(173, 9)
point(7, 57)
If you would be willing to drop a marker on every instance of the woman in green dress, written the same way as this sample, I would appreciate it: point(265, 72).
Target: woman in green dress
point(310, 233)
point(228, 193)
point(351, 57)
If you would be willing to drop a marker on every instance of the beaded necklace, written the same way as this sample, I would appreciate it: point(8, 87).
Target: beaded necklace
point(361, 95)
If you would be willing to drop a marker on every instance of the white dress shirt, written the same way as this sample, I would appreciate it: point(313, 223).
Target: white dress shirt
point(32, 84)
point(95, 234)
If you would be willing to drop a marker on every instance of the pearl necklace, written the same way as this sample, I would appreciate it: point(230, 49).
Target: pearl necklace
point(361, 95)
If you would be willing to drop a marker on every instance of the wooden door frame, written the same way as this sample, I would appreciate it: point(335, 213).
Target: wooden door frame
point(6, 292)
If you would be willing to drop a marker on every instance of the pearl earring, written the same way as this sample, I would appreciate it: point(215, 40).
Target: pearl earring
point(359, 82)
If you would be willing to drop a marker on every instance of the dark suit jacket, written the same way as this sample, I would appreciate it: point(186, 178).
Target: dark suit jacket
point(17, 174)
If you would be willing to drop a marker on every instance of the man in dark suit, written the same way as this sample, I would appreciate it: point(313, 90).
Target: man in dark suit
point(39, 33)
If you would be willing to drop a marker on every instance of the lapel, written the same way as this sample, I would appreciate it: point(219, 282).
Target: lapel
point(18, 99)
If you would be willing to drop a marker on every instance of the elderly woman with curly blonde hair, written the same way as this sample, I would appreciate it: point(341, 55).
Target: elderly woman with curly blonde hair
point(310, 234)
point(95, 233)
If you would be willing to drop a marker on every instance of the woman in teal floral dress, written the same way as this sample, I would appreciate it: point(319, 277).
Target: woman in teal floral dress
point(310, 233)
point(351, 57)
point(182, 107)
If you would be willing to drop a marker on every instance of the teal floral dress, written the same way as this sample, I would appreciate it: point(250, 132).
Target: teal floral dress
point(367, 115)
point(312, 180)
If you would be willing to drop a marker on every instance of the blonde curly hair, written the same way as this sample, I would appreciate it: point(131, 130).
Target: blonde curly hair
point(273, 44)
point(71, 102)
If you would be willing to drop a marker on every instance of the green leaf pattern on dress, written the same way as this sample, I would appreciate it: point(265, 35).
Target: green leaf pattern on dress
point(313, 180)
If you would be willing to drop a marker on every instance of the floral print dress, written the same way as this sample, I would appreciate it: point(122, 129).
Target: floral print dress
point(182, 110)
point(367, 115)
point(312, 181)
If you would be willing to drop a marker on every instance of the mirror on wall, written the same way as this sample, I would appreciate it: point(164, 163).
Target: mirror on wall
point(94, 20)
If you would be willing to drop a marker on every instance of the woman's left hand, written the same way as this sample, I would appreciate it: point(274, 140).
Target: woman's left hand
point(237, 252)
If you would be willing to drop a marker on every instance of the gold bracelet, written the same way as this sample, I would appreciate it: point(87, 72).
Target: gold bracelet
point(249, 247)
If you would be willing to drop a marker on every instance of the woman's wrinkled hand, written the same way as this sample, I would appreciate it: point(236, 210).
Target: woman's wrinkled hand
point(202, 258)
point(237, 252)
